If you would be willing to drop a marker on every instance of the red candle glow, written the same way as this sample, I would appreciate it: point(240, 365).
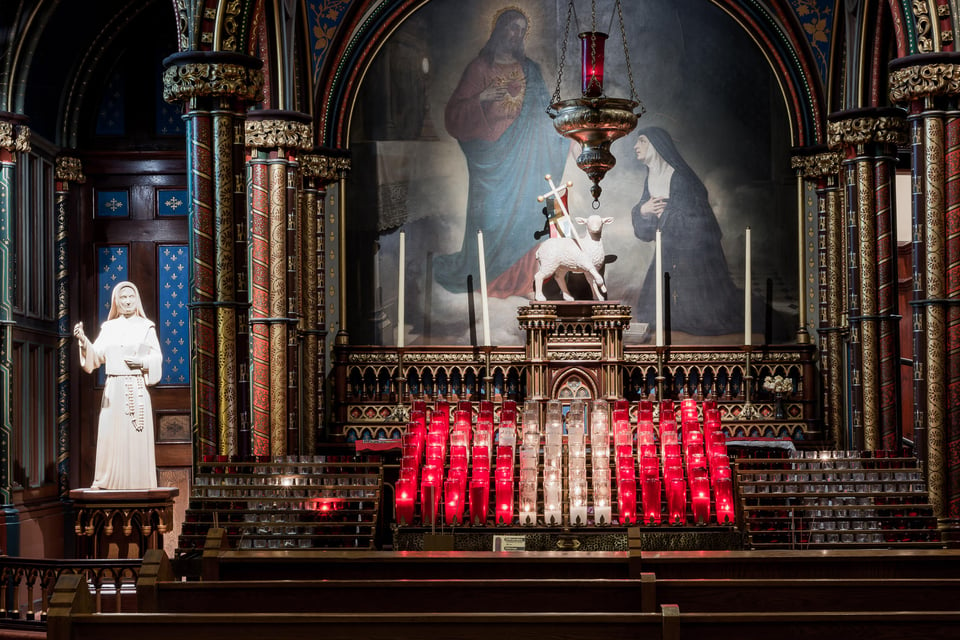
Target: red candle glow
point(406, 492)
point(453, 502)
point(504, 502)
point(627, 498)
point(651, 501)
point(591, 45)
point(428, 500)
point(700, 500)
point(677, 500)
point(479, 501)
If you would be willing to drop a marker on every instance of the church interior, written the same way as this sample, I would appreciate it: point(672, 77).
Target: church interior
point(546, 318)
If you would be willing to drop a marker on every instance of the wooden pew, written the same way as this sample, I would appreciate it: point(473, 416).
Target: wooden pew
point(221, 563)
point(158, 590)
point(829, 563)
point(803, 594)
point(873, 625)
point(72, 617)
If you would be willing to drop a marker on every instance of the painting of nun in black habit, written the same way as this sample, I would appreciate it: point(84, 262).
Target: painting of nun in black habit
point(704, 301)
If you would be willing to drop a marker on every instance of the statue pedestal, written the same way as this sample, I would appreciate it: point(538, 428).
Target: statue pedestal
point(122, 523)
point(574, 350)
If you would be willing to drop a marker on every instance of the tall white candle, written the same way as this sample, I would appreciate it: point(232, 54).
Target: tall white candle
point(659, 290)
point(400, 287)
point(483, 291)
point(747, 287)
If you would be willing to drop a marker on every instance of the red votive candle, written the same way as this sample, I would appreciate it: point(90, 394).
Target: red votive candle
point(453, 501)
point(700, 500)
point(723, 490)
point(651, 501)
point(479, 501)
point(428, 501)
point(504, 502)
point(677, 500)
point(627, 499)
point(406, 492)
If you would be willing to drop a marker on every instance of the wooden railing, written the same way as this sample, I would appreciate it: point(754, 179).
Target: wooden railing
point(26, 586)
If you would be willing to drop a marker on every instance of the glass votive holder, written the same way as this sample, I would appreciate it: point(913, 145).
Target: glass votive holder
point(578, 489)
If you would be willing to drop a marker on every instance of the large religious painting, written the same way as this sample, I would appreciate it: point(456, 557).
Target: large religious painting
point(451, 144)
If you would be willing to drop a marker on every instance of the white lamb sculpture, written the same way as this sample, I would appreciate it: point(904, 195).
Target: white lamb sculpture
point(558, 256)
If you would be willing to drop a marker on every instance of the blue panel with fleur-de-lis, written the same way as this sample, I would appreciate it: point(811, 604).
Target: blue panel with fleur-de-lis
point(173, 322)
point(113, 204)
point(112, 269)
point(171, 202)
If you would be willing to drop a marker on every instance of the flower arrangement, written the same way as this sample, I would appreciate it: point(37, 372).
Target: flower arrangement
point(778, 384)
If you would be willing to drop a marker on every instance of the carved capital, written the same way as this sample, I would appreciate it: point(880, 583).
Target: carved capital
point(924, 80)
point(14, 132)
point(70, 170)
point(818, 165)
point(865, 127)
point(279, 133)
point(324, 168)
point(206, 75)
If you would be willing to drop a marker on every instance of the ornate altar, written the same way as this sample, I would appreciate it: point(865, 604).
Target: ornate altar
point(576, 350)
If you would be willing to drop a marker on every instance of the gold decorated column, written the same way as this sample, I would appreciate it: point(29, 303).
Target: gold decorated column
point(275, 137)
point(928, 85)
point(215, 88)
point(320, 168)
point(867, 138)
point(822, 167)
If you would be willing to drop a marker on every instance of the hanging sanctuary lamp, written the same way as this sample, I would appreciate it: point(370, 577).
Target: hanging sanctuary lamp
point(594, 119)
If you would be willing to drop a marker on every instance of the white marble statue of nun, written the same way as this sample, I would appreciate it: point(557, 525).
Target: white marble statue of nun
point(130, 350)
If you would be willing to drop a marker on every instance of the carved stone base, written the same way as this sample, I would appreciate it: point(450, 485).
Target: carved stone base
point(122, 524)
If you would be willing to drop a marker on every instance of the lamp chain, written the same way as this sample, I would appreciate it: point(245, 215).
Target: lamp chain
point(563, 56)
point(626, 55)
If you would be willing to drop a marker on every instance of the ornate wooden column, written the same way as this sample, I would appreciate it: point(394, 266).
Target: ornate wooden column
point(215, 88)
point(274, 138)
point(927, 83)
point(611, 320)
point(867, 139)
point(14, 139)
point(821, 166)
point(320, 168)
point(537, 320)
point(69, 170)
